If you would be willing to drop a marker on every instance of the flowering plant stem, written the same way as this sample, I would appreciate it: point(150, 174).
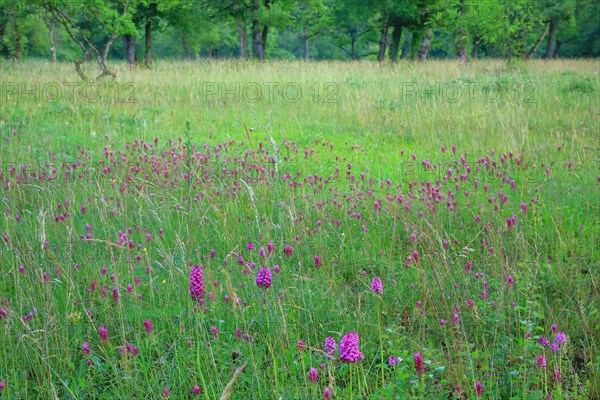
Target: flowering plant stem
point(380, 342)
point(273, 358)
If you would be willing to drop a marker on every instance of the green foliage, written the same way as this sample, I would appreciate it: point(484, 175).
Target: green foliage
point(552, 251)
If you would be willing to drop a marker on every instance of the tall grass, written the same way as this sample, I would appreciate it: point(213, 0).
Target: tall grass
point(480, 217)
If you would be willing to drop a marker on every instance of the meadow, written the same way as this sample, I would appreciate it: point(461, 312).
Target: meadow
point(304, 230)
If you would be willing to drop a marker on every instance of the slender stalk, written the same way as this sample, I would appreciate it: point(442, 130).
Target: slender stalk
point(273, 358)
point(380, 343)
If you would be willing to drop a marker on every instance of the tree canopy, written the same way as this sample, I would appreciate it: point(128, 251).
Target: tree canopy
point(385, 30)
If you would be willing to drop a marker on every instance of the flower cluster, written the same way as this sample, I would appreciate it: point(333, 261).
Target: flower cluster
point(196, 284)
point(264, 277)
point(349, 351)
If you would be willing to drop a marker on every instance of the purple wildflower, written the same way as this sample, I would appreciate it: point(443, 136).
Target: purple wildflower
point(330, 346)
point(561, 337)
point(288, 250)
point(478, 389)
point(103, 332)
point(419, 365)
point(196, 284)
point(393, 361)
point(85, 347)
point(377, 286)
point(313, 375)
point(318, 261)
point(349, 348)
point(540, 362)
point(148, 326)
point(264, 277)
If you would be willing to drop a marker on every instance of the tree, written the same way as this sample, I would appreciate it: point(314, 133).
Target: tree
point(93, 25)
point(311, 18)
point(353, 29)
point(12, 17)
point(555, 12)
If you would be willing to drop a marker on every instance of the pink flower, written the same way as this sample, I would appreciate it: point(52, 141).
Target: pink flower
point(166, 393)
point(313, 375)
point(288, 250)
point(349, 351)
point(478, 389)
point(196, 284)
point(419, 365)
point(196, 390)
point(327, 393)
point(540, 362)
point(300, 345)
point(264, 278)
point(377, 286)
point(330, 346)
point(148, 326)
point(318, 261)
point(103, 332)
point(85, 347)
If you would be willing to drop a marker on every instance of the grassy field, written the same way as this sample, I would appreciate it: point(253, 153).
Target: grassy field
point(141, 215)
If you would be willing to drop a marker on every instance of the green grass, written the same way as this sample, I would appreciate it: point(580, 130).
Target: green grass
point(282, 170)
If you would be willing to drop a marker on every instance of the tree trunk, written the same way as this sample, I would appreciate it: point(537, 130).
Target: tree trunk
point(538, 42)
point(263, 40)
point(353, 48)
point(425, 45)
point(52, 42)
point(305, 41)
point(557, 53)
point(130, 49)
point(242, 37)
point(406, 45)
point(395, 44)
point(475, 51)
point(256, 37)
point(186, 48)
point(148, 43)
point(18, 42)
point(461, 45)
point(383, 43)
point(550, 47)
